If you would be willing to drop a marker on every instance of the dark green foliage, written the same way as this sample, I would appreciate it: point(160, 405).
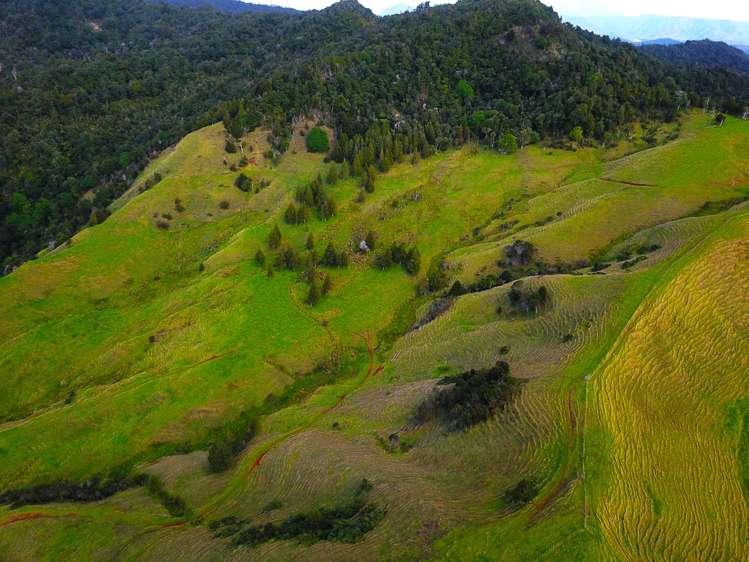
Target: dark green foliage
point(175, 505)
point(457, 289)
point(243, 182)
point(519, 253)
point(260, 257)
point(296, 215)
point(224, 204)
point(230, 147)
point(313, 196)
point(525, 301)
point(327, 285)
point(397, 253)
point(271, 506)
point(288, 258)
point(313, 296)
point(317, 140)
point(94, 489)
point(230, 440)
point(333, 258)
point(371, 240)
point(521, 493)
point(345, 523)
point(274, 238)
point(703, 53)
point(310, 244)
point(508, 143)
point(436, 277)
point(464, 89)
point(464, 400)
point(115, 98)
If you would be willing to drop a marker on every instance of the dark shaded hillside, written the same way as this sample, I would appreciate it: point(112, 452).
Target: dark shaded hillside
point(89, 89)
point(230, 6)
point(705, 54)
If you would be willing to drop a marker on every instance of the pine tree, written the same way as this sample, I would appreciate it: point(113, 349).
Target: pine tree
point(327, 285)
point(310, 242)
point(274, 238)
point(313, 297)
point(332, 177)
point(260, 257)
point(330, 257)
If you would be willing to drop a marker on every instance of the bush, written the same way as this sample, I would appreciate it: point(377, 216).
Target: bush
point(520, 494)
point(230, 147)
point(317, 140)
point(259, 257)
point(470, 398)
point(527, 302)
point(220, 455)
point(223, 205)
point(243, 183)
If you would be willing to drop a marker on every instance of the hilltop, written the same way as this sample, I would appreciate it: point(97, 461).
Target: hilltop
point(479, 69)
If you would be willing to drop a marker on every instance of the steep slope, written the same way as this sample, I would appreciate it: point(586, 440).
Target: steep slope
point(136, 345)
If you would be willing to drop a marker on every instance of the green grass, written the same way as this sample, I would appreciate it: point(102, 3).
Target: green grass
point(159, 351)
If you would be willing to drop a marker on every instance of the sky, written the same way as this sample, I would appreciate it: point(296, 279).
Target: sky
point(712, 9)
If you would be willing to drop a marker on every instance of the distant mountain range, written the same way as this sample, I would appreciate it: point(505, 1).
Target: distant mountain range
point(230, 6)
point(704, 54)
point(645, 28)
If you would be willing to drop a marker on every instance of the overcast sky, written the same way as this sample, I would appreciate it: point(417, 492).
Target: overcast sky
point(713, 9)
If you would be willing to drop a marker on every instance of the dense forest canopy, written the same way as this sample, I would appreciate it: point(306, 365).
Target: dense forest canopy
point(90, 89)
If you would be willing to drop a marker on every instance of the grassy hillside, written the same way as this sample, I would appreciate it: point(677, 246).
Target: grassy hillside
point(130, 348)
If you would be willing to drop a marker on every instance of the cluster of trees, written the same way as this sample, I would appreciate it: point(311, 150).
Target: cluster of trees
point(398, 254)
point(312, 197)
point(464, 400)
point(527, 301)
point(230, 440)
point(346, 523)
point(90, 89)
point(94, 489)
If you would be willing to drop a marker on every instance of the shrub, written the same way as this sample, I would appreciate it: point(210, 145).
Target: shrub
point(162, 224)
point(259, 257)
point(230, 147)
point(527, 302)
point(223, 205)
point(220, 455)
point(317, 140)
point(520, 494)
point(243, 183)
point(274, 238)
point(469, 398)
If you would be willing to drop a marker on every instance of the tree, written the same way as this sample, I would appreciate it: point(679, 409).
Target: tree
point(508, 143)
point(576, 134)
point(327, 284)
point(310, 242)
point(412, 262)
point(330, 257)
point(219, 456)
point(464, 89)
point(369, 180)
point(332, 176)
point(259, 257)
point(317, 140)
point(313, 297)
point(274, 238)
point(243, 182)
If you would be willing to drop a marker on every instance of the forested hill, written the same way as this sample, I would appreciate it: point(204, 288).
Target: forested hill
point(230, 6)
point(90, 89)
point(705, 53)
